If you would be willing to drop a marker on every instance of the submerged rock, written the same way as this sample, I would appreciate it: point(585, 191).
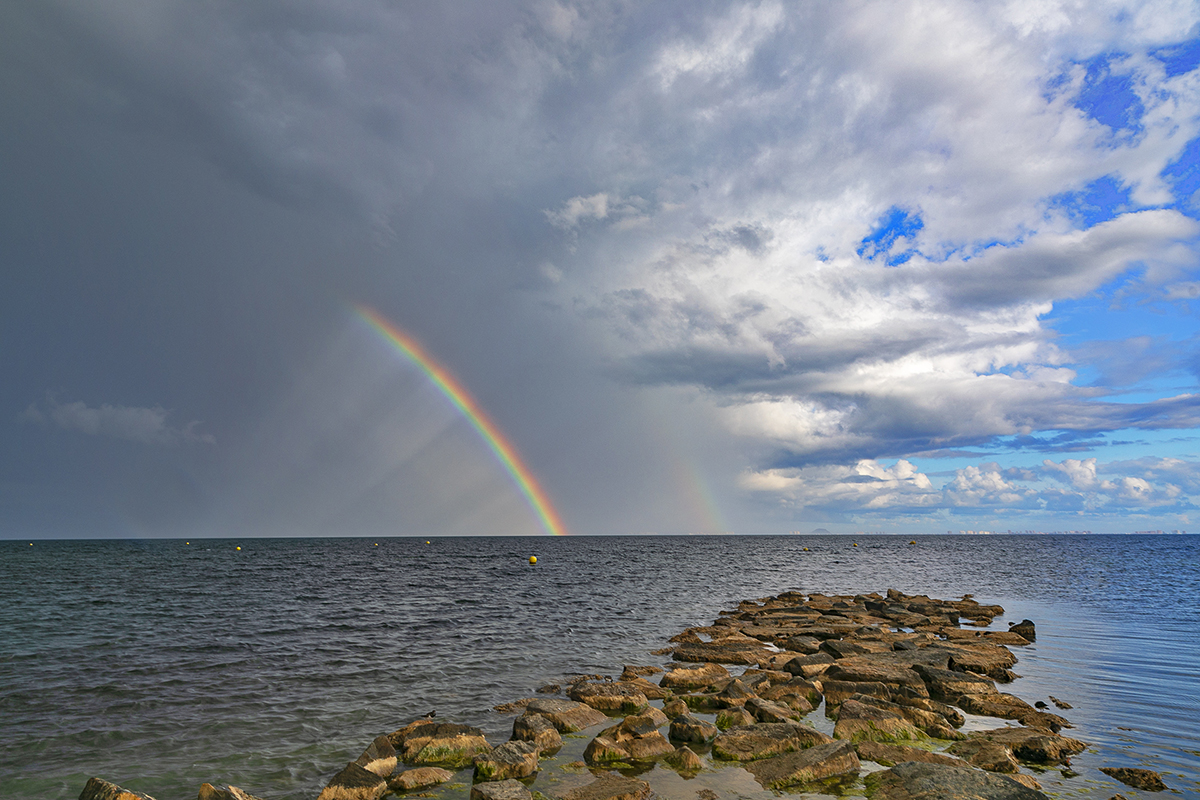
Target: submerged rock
point(920, 781)
point(100, 789)
point(685, 759)
point(1144, 779)
point(805, 766)
point(354, 783)
point(675, 708)
point(608, 786)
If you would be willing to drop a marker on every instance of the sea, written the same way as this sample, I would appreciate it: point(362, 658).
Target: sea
point(270, 663)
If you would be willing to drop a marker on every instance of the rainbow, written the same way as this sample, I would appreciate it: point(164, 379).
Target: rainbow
point(536, 496)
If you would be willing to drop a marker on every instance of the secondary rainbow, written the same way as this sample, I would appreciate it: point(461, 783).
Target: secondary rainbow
point(526, 482)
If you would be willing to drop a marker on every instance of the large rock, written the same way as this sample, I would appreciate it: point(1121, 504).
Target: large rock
point(701, 677)
point(513, 759)
point(1025, 629)
point(858, 721)
point(914, 780)
point(751, 742)
point(651, 690)
point(1144, 779)
point(768, 711)
point(379, 757)
point(734, 718)
point(722, 652)
point(608, 786)
point(636, 738)
point(440, 744)
point(1034, 745)
point(99, 789)
point(690, 729)
point(566, 715)
point(614, 699)
point(837, 692)
point(891, 754)
point(539, 731)
point(805, 766)
point(418, 778)
point(982, 658)
point(809, 666)
point(869, 670)
point(210, 792)
point(354, 783)
point(510, 789)
point(948, 685)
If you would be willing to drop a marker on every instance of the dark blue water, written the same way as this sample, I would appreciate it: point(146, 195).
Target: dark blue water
point(161, 665)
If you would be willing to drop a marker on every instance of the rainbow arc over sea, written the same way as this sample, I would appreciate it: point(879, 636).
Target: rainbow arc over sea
point(462, 400)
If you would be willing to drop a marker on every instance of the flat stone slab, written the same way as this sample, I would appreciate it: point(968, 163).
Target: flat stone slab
point(805, 766)
point(567, 715)
point(917, 781)
point(751, 742)
point(609, 786)
point(419, 778)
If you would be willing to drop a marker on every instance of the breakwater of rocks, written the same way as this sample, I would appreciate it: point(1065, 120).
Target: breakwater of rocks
point(890, 695)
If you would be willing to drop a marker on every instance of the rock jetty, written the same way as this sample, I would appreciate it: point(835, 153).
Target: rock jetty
point(796, 691)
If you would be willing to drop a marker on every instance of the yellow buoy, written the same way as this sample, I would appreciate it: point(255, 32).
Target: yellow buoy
point(914, 541)
point(426, 542)
point(377, 544)
point(806, 549)
point(533, 559)
point(855, 544)
point(239, 547)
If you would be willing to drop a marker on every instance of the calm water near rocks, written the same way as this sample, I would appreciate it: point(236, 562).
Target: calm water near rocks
point(160, 665)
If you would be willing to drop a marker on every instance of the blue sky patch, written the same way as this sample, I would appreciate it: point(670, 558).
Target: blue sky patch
point(1099, 201)
point(1109, 99)
point(1179, 59)
point(896, 224)
point(1184, 176)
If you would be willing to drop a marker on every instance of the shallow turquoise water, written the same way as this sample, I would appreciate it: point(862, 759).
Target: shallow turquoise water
point(161, 665)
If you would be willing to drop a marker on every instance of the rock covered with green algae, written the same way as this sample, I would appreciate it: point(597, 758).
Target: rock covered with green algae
point(513, 759)
point(439, 744)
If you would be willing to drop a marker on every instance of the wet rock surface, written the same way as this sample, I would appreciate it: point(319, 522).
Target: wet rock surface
point(210, 792)
point(100, 789)
point(805, 766)
point(1144, 779)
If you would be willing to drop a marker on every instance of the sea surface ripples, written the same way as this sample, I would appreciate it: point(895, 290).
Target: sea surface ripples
point(161, 665)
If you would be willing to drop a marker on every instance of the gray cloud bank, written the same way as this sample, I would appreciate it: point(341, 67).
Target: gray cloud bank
point(618, 218)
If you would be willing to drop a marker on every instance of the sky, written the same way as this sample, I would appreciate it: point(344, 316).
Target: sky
point(702, 267)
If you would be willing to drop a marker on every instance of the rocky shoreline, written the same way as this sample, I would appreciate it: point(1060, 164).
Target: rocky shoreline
point(895, 674)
